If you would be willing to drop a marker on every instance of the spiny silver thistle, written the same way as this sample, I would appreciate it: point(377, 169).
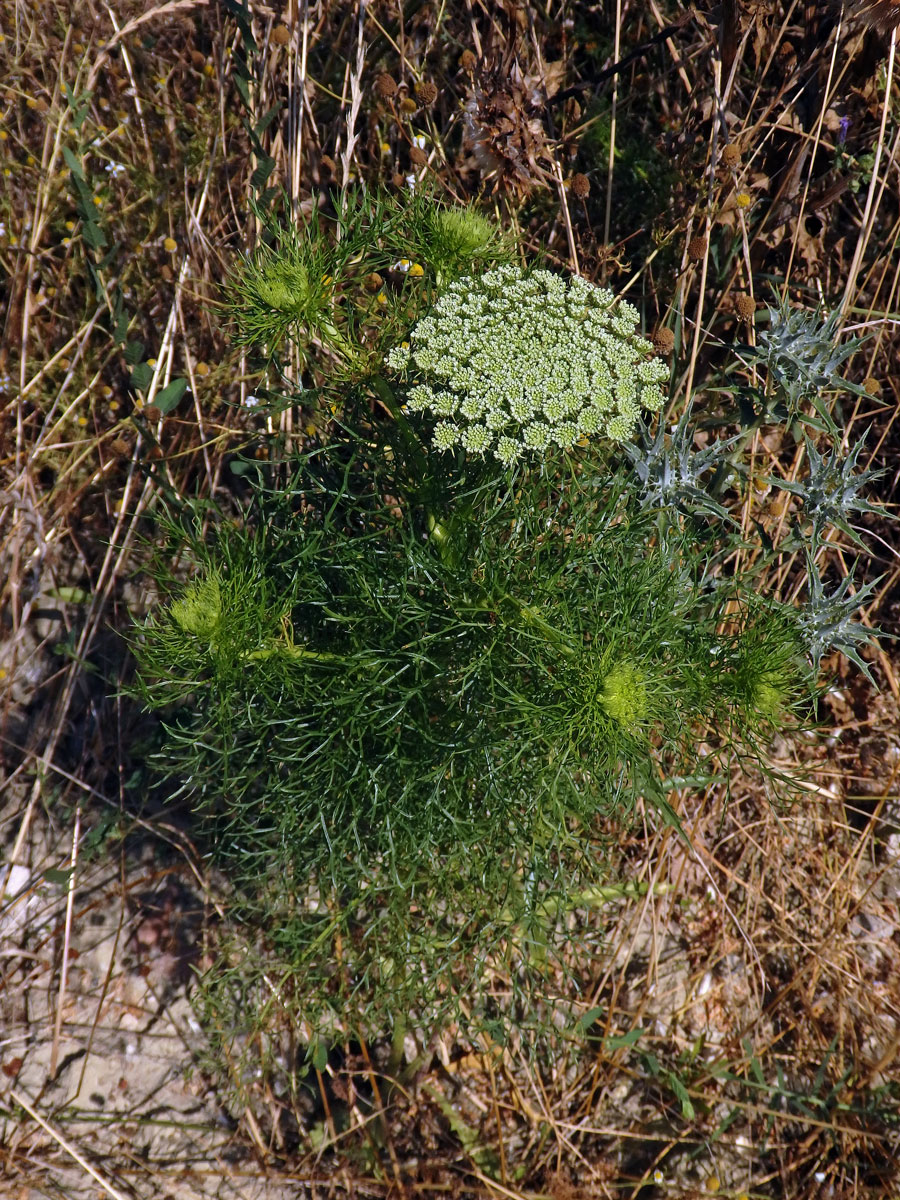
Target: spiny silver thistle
point(670, 469)
point(830, 492)
point(827, 624)
point(801, 356)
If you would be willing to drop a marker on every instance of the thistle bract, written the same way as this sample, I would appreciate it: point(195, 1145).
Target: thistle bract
point(512, 363)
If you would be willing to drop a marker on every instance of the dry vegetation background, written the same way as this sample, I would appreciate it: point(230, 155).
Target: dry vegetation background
point(745, 1029)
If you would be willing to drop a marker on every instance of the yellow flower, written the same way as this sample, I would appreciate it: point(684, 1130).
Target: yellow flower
point(744, 199)
point(170, 244)
point(416, 270)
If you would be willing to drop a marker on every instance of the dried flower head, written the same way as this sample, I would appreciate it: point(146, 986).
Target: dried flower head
point(731, 155)
point(408, 106)
point(696, 248)
point(504, 125)
point(385, 86)
point(418, 157)
point(468, 62)
point(745, 307)
point(514, 362)
point(581, 186)
point(280, 35)
point(663, 340)
point(426, 92)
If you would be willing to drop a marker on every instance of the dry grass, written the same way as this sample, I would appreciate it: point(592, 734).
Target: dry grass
point(763, 966)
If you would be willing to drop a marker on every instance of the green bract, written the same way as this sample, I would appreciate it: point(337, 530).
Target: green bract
point(513, 362)
point(199, 611)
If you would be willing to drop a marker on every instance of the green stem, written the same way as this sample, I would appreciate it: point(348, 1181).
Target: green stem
point(291, 651)
point(532, 617)
point(410, 442)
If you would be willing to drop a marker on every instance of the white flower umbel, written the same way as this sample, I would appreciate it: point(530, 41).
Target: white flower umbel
point(514, 362)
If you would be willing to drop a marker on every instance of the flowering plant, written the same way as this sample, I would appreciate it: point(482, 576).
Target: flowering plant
point(516, 362)
point(448, 639)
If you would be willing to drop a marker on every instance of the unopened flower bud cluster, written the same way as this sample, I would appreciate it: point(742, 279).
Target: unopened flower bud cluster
point(515, 362)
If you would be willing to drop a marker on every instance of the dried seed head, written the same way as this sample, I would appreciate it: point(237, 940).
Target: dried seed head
point(572, 109)
point(408, 105)
point(505, 127)
point(198, 60)
point(731, 155)
point(696, 248)
point(280, 35)
point(581, 186)
point(745, 306)
point(427, 92)
point(372, 282)
point(883, 15)
point(385, 86)
point(398, 180)
point(872, 386)
point(418, 157)
point(467, 61)
point(663, 340)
